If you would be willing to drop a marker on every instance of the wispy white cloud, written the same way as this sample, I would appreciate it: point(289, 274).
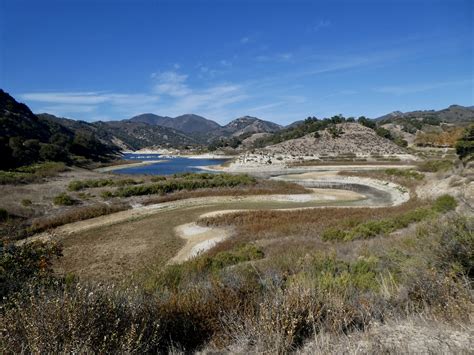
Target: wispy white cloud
point(414, 88)
point(170, 83)
point(244, 40)
point(320, 25)
point(277, 57)
point(225, 63)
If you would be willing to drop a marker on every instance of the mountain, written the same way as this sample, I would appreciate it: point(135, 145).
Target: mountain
point(188, 123)
point(452, 114)
point(137, 135)
point(248, 125)
point(26, 138)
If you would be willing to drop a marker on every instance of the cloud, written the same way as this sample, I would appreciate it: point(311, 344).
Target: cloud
point(225, 63)
point(277, 57)
point(414, 88)
point(320, 25)
point(244, 40)
point(86, 98)
point(170, 83)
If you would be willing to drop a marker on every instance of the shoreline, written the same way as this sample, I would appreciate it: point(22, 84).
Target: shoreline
point(124, 166)
point(174, 154)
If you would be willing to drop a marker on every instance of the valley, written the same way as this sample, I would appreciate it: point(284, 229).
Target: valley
point(332, 223)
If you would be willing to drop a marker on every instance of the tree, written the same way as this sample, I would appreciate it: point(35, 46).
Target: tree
point(366, 122)
point(465, 146)
point(52, 152)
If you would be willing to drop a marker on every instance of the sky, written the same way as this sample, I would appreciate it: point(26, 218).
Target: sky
point(277, 60)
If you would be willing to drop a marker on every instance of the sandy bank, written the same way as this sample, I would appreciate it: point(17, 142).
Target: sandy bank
point(124, 166)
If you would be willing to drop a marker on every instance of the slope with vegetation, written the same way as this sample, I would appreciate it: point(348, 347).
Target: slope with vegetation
point(26, 138)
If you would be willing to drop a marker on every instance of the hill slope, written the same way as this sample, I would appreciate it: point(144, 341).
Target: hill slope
point(248, 124)
point(26, 138)
point(188, 123)
point(351, 138)
point(452, 114)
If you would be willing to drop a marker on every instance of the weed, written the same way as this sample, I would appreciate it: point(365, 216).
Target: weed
point(64, 199)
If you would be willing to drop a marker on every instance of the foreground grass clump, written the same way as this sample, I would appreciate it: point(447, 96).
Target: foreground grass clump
point(270, 305)
point(385, 226)
point(64, 199)
point(31, 173)
point(188, 181)
point(78, 185)
point(174, 275)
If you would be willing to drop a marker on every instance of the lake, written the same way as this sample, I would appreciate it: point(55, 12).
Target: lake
point(168, 167)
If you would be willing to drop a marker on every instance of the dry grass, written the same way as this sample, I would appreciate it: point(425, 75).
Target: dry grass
point(74, 215)
point(253, 307)
point(303, 224)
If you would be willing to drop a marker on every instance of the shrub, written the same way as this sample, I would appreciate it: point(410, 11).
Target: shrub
point(187, 181)
point(4, 215)
point(445, 203)
point(26, 202)
point(78, 185)
point(409, 174)
point(433, 166)
point(20, 264)
point(384, 226)
point(64, 199)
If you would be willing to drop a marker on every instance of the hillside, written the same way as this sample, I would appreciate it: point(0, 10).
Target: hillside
point(247, 125)
point(429, 128)
point(453, 114)
point(26, 138)
point(352, 138)
point(343, 140)
point(188, 123)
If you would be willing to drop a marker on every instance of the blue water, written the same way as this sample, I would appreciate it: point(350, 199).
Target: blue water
point(170, 166)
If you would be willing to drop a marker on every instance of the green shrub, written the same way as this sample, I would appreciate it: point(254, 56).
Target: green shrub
point(19, 264)
point(445, 204)
point(4, 215)
point(186, 181)
point(26, 202)
point(409, 174)
point(371, 229)
point(64, 199)
point(433, 166)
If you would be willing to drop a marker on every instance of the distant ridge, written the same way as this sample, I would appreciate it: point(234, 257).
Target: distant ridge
point(188, 123)
point(452, 114)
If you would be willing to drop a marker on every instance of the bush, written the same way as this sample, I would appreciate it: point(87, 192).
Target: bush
point(78, 185)
point(384, 226)
point(445, 204)
point(4, 215)
point(187, 181)
point(20, 264)
point(409, 174)
point(433, 166)
point(26, 202)
point(31, 173)
point(64, 200)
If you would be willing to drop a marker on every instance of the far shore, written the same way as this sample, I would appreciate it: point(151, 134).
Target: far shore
point(124, 166)
point(174, 154)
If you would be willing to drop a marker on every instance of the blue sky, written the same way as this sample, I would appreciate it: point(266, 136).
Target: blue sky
point(277, 60)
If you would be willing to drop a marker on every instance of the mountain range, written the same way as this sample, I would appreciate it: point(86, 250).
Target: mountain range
point(96, 140)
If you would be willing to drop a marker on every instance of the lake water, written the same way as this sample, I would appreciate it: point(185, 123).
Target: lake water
point(168, 167)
